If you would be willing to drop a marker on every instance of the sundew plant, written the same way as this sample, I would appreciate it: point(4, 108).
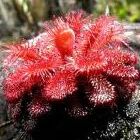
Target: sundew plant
point(79, 61)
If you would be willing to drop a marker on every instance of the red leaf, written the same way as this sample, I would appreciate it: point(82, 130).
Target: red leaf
point(61, 36)
point(38, 107)
point(118, 56)
point(63, 83)
point(101, 92)
point(122, 71)
point(23, 52)
point(77, 20)
point(93, 62)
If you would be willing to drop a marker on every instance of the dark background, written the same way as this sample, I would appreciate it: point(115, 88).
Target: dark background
point(23, 17)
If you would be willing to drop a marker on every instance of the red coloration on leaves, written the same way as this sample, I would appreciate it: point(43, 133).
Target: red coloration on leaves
point(123, 72)
point(77, 20)
point(101, 92)
point(60, 85)
point(72, 48)
point(38, 107)
point(24, 52)
point(64, 41)
point(93, 62)
point(61, 36)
